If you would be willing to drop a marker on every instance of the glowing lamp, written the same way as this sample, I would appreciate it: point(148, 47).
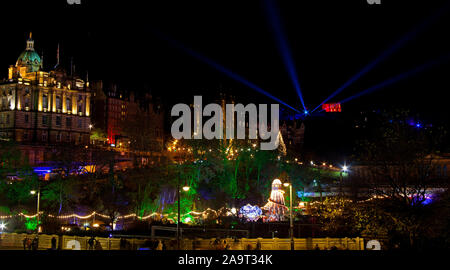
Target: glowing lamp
point(345, 168)
point(186, 188)
point(33, 192)
point(286, 184)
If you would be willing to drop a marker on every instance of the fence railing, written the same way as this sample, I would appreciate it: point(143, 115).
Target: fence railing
point(68, 242)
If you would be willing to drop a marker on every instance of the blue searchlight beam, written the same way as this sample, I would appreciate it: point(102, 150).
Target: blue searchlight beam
point(399, 44)
point(283, 47)
point(226, 71)
point(399, 77)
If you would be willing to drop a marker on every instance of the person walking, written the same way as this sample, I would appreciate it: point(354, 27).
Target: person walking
point(53, 243)
point(160, 245)
point(258, 245)
point(35, 243)
point(98, 245)
point(91, 243)
point(25, 243)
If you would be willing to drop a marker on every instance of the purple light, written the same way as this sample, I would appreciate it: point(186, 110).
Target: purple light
point(251, 213)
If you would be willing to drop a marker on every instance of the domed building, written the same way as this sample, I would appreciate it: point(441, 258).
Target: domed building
point(28, 62)
point(29, 58)
point(43, 109)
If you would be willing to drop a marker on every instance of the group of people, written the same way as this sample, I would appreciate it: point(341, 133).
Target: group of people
point(219, 244)
point(94, 244)
point(31, 244)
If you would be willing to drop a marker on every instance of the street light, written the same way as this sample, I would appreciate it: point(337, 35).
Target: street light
point(344, 170)
point(32, 192)
point(2, 226)
point(291, 221)
point(185, 188)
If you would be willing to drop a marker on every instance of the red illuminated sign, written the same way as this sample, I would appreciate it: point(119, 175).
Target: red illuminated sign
point(331, 107)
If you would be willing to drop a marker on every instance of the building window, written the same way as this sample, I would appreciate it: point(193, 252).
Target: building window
point(80, 124)
point(58, 137)
point(58, 121)
point(25, 136)
point(45, 101)
point(44, 136)
point(44, 120)
point(7, 119)
point(58, 103)
point(68, 122)
point(68, 105)
point(27, 120)
point(68, 137)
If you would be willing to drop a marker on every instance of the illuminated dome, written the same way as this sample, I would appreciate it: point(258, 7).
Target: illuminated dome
point(29, 57)
point(276, 183)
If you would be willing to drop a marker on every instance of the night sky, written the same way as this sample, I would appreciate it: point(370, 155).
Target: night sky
point(330, 41)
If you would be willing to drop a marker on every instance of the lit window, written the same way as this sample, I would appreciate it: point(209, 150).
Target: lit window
point(45, 101)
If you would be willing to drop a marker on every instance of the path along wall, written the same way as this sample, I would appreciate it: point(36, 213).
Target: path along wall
point(15, 241)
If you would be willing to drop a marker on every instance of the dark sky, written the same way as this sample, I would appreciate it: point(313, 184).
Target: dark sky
point(330, 41)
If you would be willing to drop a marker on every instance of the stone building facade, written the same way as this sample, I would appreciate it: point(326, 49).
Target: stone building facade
point(42, 109)
point(131, 121)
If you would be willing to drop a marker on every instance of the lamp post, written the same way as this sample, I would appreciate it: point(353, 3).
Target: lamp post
point(291, 221)
point(344, 170)
point(38, 201)
point(185, 188)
